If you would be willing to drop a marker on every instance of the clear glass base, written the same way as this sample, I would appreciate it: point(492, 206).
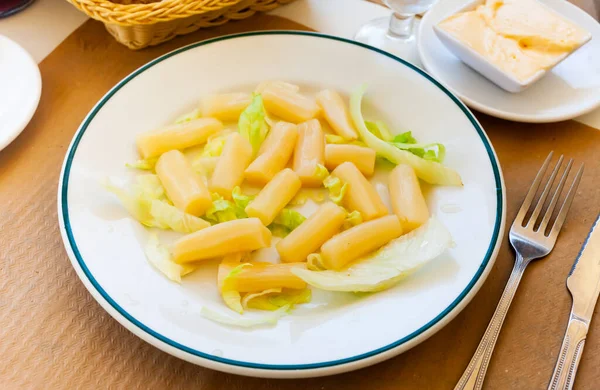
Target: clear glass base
point(377, 33)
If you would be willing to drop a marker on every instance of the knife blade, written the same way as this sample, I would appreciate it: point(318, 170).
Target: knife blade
point(583, 283)
point(584, 279)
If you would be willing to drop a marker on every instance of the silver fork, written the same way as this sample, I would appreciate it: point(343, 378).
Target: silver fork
point(530, 242)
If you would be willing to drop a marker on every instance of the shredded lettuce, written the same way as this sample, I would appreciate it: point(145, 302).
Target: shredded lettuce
point(144, 165)
point(230, 267)
point(159, 257)
point(244, 321)
point(138, 200)
point(149, 187)
point(223, 210)
point(275, 300)
point(314, 262)
point(335, 139)
point(214, 144)
point(321, 172)
point(427, 170)
point(146, 201)
point(189, 116)
point(405, 141)
point(380, 130)
point(286, 221)
point(205, 165)
point(388, 265)
point(241, 200)
point(252, 123)
point(337, 188)
point(250, 296)
point(315, 194)
point(352, 219)
point(175, 219)
point(405, 138)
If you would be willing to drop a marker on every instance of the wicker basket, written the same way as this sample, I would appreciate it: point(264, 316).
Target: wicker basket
point(141, 23)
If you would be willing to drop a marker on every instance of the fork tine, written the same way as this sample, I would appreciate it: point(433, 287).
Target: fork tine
point(555, 197)
point(542, 200)
point(532, 190)
point(564, 209)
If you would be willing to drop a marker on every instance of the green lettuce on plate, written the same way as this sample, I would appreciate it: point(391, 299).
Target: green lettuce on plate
point(426, 169)
point(252, 124)
point(385, 267)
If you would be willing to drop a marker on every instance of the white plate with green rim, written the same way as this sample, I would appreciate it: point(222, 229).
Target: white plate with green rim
point(336, 332)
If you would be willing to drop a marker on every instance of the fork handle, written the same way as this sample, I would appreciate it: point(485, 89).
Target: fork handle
point(570, 354)
point(474, 375)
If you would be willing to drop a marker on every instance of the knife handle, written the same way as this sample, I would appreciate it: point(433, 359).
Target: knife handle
point(570, 354)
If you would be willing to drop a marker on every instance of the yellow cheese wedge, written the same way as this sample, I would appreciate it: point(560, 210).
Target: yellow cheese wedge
point(363, 158)
point(312, 233)
point(241, 235)
point(359, 240)
point(336, 113)
point(183, 186)
point(407, 199)
point(361, 195)
point(178, 136)
point(229, 171)
point(309, 153)
point(274, 153)
point(275, 196)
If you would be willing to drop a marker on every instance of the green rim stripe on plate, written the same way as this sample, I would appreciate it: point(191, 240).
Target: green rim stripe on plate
point(183, 348)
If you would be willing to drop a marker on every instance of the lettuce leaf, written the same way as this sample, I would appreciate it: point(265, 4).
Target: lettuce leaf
point(223, 210)
point(430, 171)
point(204, 165)
point(405, 138)
point(146, 201)
point(241, 200)
point(337, 189)
point(352, 219)
point(274, 300)
point(388, 265)
point(149, 187)
point(214, 144)
point(380, 130)
point(175, 219)
point(145, 165)
point(252, 123)
point(250, 296)
point(188, 116)
point(244, 321)
point(230, 266)
point(314, 262)
point(321, 172)
point(315, 194)
point(286, 221)
point(335, 139)
point(159, 257)
point(137, 203)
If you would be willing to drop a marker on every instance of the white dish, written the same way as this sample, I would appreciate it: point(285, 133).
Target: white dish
point(335, 332)
point(570, 89)
point(483, 65)
point(20, 90)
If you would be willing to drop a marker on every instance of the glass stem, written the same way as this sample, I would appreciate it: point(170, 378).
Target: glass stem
point(401, 25)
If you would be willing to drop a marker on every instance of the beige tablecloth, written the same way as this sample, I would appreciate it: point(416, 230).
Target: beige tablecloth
point(53, 335)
